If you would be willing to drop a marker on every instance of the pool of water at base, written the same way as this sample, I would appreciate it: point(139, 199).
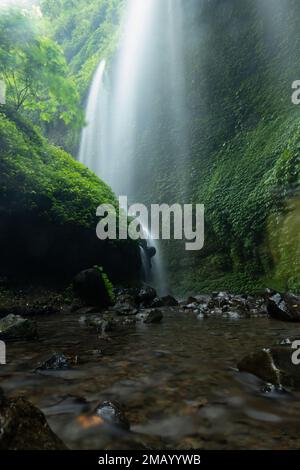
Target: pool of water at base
point(177, 382)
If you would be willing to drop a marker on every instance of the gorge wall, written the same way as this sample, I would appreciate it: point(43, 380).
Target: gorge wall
point(241, 154)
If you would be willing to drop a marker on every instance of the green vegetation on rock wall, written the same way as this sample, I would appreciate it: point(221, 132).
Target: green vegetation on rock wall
point(48, 207)
point(243, 157)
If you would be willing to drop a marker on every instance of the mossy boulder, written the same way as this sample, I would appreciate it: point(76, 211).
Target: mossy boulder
point(92, 286)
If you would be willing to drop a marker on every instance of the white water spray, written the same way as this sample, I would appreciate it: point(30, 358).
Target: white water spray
point(114, 113)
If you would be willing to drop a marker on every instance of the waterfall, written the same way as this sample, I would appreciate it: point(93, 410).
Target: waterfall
point(124, 107)
point(92, 145)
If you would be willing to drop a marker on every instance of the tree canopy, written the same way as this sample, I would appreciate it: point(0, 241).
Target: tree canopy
point(35, 70)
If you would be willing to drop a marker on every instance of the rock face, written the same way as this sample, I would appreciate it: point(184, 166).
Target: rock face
point(90, 287)
point(285, 307)
point(273, 365)
point(24, 427)
point(112, 414)
point(14, 327)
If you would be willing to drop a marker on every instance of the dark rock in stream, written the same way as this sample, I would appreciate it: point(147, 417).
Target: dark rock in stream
point(146, 295)
point(112, 414)
point(24, 427)
point(102, 325)
point(157, 303)
point(15, 327)
point(169, 301)
point(150, 316)
point(57, 361)
point(285, 307)
point(273, 365)
point(90, 287)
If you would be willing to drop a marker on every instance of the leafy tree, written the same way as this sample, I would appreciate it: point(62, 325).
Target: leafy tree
point(35, 70)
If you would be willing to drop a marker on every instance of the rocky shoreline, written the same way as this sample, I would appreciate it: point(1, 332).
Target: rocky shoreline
point(132, 307)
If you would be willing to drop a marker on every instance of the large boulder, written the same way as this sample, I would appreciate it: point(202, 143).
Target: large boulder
point(24, 427)
point(90, 286)
point(285, 307)
point(273, 365)
point(14, 327)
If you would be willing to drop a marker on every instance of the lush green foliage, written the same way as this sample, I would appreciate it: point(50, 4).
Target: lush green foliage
point(87, 30)
point(35, 71)
point(108, 285)
point(38, 177)
point(242, 157)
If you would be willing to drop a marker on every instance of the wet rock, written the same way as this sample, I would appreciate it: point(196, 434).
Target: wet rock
point(125, 309)
point(191, 300)
point(274, 366)
point(192, 306)
point(24, 427)
point(146, 296)
point(86, 310)
point(169, 301)
point(274, 391)
point(57, 361)
point(103, 325)
point(150, 316)
point(126, 298)
point(112, 414)
point(90, 287)
point(127, 321)
point(285, 307)
point(14, 327)
point(157, 303)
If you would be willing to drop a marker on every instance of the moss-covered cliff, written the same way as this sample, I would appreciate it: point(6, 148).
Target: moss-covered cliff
point(48, 205)
point(242, 159)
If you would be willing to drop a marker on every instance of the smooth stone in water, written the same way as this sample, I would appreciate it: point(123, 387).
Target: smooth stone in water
point(111, 413)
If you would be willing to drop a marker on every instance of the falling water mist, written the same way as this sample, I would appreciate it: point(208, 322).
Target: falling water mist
point(121, 139)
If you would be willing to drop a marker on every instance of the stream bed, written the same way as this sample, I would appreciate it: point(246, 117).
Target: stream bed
point(176, 381)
